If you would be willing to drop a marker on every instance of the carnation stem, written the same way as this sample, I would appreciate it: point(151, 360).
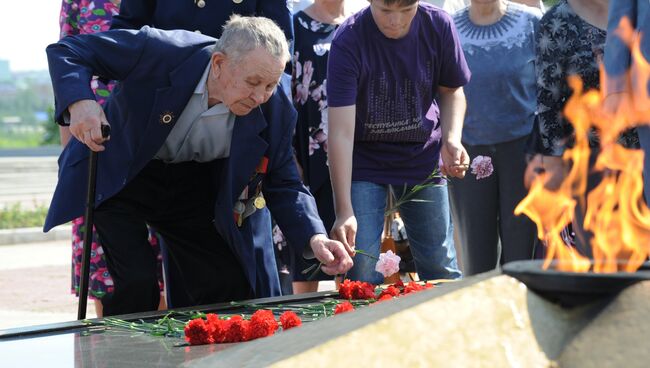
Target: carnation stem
point(408, 197)
point(364, 253)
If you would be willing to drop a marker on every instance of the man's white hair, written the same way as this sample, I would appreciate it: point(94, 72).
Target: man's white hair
point(243, 34)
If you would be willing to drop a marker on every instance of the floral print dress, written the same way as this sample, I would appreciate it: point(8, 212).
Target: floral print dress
point(566, 45)
point(309, 82)
point(81, 17)
point(311, 48)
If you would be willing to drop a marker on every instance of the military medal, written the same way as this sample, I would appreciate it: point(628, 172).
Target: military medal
point(259, 202)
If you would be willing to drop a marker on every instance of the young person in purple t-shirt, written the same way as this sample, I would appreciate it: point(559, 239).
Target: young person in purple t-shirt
point(387, 64)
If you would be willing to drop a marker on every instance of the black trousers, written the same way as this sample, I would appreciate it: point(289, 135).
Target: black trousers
point(177, 201)
point(483, 210)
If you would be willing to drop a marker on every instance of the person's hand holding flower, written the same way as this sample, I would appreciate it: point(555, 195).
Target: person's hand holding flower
point(454, 160)
point(332, 255)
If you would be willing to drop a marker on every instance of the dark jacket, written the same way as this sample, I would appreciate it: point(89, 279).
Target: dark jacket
point(157, 73)
point(209, 20)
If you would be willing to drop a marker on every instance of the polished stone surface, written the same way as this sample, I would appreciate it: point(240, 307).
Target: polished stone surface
point(101, 349)
point(75, 344)
point(490, 320)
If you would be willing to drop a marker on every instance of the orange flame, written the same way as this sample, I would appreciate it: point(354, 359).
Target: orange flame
point(616, 215)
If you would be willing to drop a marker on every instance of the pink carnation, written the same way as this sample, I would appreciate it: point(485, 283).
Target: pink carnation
point(482, 167)
point(388, 263)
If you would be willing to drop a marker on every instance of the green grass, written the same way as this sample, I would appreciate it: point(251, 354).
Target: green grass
point(20, 140)
point(15, 216)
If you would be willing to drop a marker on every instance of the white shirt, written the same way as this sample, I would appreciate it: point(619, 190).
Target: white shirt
point(201, 134)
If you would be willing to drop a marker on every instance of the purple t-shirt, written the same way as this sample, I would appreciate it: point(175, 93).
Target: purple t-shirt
point(393, 84)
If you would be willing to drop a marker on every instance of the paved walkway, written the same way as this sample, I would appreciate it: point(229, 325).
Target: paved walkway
point(35, 285)
point(29, 181)
point(34, 276)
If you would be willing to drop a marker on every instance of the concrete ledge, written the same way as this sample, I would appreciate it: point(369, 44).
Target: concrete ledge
point(34, 234)
point(475, 322)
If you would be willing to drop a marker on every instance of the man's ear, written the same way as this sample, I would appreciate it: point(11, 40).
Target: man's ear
point(217, 60)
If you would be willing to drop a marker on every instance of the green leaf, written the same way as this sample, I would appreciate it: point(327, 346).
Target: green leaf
point(308, 269)
point(102, 92)
point(100, 12)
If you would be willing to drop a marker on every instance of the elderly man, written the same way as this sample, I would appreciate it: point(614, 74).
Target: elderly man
point(200, 143)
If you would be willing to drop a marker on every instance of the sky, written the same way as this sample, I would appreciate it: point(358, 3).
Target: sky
point(26, 28)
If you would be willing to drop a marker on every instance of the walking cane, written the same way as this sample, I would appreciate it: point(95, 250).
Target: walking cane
point(88, 229)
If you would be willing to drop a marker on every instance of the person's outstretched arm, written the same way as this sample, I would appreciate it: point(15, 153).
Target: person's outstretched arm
point(341, 122)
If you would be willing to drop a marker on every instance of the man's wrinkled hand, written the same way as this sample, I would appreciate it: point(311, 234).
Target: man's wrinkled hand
point(86, 120)
point(331, 254)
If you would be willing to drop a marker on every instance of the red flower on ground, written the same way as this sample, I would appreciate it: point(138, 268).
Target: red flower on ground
point(390, 291)
point(356, 290)
point(262, 324)
point(218, 328)
point(197, 332)
point(238, 330)
point(364, 290)
point(413, 287)
point(345, 289)
point(343, 308)
point(289, 320)
point(385, 297)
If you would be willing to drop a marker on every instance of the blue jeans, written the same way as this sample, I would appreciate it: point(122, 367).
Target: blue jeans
point(428, 226)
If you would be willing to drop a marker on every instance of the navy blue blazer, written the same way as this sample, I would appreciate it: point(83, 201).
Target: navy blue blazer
point(209, 20)
point(157, 72)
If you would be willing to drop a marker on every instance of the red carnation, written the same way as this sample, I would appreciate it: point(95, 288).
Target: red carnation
point(363, 290)
point(345, 289)
point(289, 320)
point(218, 328)
point(356, 290)
point(197, 332)
point(262, 324)
point(399, 284)
point(412, 287)
point(390, 291)
point(212, 318)
point(238, 330)
point(343, 308)
point(383, 297)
